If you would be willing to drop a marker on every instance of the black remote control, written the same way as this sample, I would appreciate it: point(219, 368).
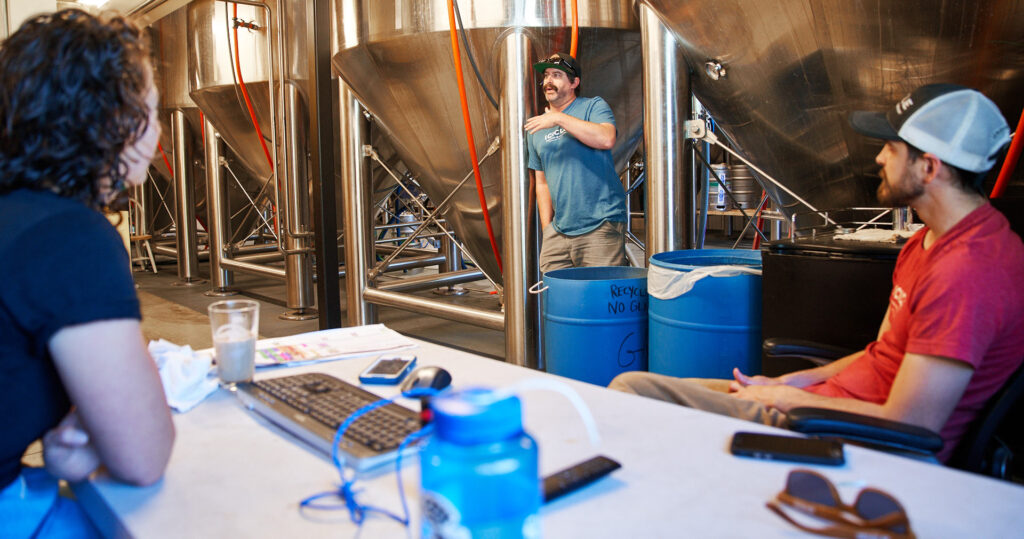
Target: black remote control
point(580, 475)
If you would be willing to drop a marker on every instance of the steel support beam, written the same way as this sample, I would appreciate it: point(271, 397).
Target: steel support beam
point(322, 164)
point(456, 313)
point(519, 227)
point(356, 198)
point(666, 107)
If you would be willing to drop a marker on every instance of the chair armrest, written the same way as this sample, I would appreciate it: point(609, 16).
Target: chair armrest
point(869, 430)
point(781, 347)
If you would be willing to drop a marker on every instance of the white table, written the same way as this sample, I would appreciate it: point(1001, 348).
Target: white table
point(232, 474)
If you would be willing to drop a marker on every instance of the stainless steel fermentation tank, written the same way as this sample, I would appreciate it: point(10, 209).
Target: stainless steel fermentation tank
point(396, 57)
point(171, 198)
point(781, 76)
point(247, 69)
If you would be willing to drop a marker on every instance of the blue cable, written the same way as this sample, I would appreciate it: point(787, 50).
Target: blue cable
point(346, 491)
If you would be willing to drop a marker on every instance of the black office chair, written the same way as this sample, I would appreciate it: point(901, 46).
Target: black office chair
point(987, 448)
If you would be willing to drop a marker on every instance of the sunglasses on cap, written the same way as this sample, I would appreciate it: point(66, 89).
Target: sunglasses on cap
point(874, 513)
point(558, 61)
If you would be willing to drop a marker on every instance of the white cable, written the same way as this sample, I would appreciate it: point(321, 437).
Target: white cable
point(544, 384)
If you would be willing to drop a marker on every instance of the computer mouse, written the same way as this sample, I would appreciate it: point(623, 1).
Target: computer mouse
point(428, 376)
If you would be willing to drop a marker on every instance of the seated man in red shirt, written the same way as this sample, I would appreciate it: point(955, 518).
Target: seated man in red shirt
point(954, 329)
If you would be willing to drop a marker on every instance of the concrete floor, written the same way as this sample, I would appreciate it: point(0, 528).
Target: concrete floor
point(178, 313)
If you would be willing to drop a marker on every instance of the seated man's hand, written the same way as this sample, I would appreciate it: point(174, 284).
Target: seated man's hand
point(67, 452)
point(741, 381)
point(778, 396)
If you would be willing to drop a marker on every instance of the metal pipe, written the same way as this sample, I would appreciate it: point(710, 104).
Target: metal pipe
point(217, 221)
point(413, 262)
point(256, 248)
point(274, 256)
point(185, 201)
point(666, 106)
point(457, 313)
point(355, 187)
point(426, 282)
point(699, 177)
point(258, 269)
point(452, 257)
point(295, 237)
point(413, 251)
point(520, 225)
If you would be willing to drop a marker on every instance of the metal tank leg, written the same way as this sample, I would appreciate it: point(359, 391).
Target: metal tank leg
point(185, 204)
point(670, 207)
point(296, 236)
point(519, 227)
point(217, 222)
point(355, 188)
point(452, 263)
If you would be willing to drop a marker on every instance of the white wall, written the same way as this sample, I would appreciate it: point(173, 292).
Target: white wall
point(19, 10)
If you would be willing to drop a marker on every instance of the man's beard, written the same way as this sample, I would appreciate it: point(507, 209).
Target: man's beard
point(900, 194)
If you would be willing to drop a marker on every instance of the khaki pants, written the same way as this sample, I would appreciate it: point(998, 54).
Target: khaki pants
point(698, 393)
point(603, 246)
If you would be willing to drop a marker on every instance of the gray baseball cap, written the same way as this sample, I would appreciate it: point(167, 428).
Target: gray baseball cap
point(959, 125)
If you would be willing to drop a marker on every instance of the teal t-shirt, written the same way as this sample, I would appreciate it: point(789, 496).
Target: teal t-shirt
point(585, 189)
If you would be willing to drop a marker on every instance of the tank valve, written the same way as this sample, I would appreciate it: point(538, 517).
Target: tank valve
point(715, 69)
point(249, 25)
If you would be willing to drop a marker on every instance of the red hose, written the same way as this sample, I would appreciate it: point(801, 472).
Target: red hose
point(248, 105)
point(469, 132)
point(245, 94)
point(1010, 163)
point(575, 31)
point(760, 223)
point(166, 161)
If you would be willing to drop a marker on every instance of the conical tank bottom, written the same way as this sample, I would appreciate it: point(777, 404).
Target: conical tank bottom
point(795, 69)
point(409, 83)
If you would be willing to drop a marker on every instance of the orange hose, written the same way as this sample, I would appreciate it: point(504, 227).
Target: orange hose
point(245, 94)
point(248, 105)
point(202, 126)
point(469, 132)
point(1012, 156)
point(575, 31)
point(166, 161)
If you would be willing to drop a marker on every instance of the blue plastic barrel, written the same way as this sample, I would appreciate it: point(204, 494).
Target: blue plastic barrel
point(713, 327)
point(595, 322)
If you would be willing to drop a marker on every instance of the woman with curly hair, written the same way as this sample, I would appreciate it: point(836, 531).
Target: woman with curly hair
point(78, 125)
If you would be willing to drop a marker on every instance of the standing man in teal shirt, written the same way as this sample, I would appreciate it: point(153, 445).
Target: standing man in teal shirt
point(580, 199)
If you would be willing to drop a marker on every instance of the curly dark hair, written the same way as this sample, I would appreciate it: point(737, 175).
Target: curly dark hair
point(72, 97)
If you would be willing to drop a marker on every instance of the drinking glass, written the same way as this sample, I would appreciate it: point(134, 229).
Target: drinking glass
point(235, 327)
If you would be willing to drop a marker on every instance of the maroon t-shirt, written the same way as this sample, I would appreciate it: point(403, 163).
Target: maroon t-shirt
point(963, 298)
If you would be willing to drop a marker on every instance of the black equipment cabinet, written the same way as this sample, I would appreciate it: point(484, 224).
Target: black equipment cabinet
point(824, 290)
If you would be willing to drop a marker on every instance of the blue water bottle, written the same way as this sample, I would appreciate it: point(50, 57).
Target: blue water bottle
point(479, 469)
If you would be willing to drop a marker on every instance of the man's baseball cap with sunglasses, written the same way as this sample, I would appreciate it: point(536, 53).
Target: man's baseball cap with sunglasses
point(960, 126)
point(560, 61)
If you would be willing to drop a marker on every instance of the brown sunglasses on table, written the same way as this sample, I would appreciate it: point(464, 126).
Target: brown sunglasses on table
point(873, 514)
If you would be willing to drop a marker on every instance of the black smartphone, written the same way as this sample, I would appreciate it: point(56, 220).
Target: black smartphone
point(775, 447)
point(388, 370)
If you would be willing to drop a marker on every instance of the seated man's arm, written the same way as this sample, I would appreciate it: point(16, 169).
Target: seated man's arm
point(806, 377)
point(924, 393)
point(802, 378)
point(119, 402)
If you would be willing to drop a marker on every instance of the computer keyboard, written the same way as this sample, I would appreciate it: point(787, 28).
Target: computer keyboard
point(313, 405)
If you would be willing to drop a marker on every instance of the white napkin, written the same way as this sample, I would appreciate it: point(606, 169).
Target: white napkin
point(183, 373)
